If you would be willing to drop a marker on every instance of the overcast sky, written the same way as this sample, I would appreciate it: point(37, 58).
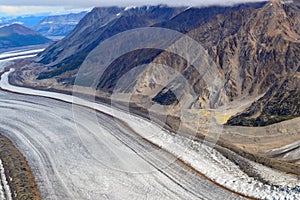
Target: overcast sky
point(21, 7)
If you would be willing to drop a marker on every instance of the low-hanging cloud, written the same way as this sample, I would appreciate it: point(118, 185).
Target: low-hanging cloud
point(26, 7)
point(93, 3)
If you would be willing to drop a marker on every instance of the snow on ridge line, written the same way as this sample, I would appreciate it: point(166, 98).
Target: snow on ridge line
point(5, 185)
point(130, 7)
point(210, 162)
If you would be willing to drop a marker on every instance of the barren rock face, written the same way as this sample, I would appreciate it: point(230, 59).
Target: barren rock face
point(280, 103)
point(274, 63)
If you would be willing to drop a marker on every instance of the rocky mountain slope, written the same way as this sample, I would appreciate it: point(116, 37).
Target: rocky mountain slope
point(280, 103)
point(194, 17)
point(255, 48)
point(16, 35)
point(278, 55)
point(100, 24)
point(59, 25)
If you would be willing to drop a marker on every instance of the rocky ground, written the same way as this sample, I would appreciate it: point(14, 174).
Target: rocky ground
point(18, 174)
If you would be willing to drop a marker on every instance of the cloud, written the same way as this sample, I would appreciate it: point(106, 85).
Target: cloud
point(92, 3)
point(21, 7)
point(23, 10)
point(29, 10)
point(8, 9)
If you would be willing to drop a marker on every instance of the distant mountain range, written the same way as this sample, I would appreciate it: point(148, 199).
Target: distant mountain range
point(49, 26)
point(59, 25)
point(255, 47)
point(16, 35)
point(28, 21)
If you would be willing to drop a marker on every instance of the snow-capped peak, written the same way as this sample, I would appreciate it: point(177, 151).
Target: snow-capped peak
point(130, 7)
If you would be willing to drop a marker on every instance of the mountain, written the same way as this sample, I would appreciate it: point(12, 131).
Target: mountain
point(59, 25)
point(105, 22)
point(280, 103)
point(194, 17)
point(279, 60)
point(16, 35)
point(98, 25)
point(28, 21)
point(254, 46)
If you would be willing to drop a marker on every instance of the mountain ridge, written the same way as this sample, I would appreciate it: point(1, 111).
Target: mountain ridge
point(16, 35)
point(59, 25)
point(252, 45)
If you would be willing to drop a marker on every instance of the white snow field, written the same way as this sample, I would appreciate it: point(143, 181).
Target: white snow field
point(75, 157)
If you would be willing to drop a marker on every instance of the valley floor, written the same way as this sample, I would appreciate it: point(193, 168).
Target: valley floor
point(83, 150)
point(59, 146)
point(95, 162)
